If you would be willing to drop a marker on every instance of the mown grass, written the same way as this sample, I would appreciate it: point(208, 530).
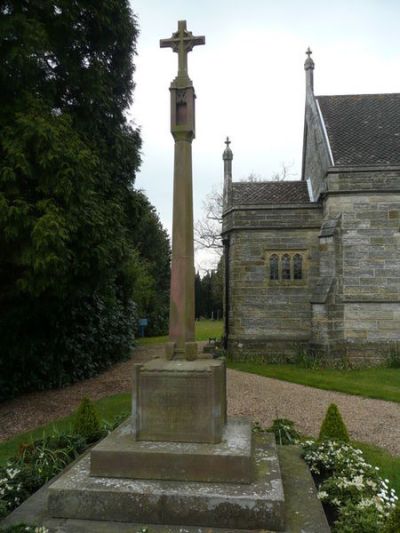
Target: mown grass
point(389, 465)
point(204, 330)
point(382, 383)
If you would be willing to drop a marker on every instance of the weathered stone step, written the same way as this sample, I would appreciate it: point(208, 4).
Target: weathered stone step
point(258, 505)
point(303, 511)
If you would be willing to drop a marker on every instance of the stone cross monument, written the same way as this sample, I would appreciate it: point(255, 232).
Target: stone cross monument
point(181, 343)
point(178, 461)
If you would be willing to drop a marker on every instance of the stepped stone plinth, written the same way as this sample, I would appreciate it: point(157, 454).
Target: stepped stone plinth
point(230, 461)
point(251, 506)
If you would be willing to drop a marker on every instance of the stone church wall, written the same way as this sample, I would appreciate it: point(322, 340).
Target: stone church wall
point(369, 284)
point(271, 316)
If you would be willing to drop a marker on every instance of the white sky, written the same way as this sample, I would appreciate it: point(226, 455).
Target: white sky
point(249, 80)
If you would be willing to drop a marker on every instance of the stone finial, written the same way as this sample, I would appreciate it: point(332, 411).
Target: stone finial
point(309, 63)
point(227, 155)
point(309, 66)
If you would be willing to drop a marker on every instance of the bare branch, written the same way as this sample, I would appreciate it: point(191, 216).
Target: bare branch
point(207, 231)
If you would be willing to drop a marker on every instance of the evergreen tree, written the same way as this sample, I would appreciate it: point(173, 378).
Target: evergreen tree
point(208, 293)
point(197, 295)
point(70, 257)
point(152, 242)
point(333, 426)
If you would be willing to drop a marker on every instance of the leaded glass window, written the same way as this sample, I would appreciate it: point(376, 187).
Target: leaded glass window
point(285, 266)
point(297, 267)
point(273, 267)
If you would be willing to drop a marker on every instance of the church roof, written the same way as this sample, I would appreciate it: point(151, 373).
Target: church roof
point(362, 129)
point(270, 192)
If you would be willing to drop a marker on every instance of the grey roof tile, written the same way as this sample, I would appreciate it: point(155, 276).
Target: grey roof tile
point(363, 129)
point(270, 192)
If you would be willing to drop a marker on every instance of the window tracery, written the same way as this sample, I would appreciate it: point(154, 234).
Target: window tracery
point(287, 267)
point(274, 267)
point(297, 266)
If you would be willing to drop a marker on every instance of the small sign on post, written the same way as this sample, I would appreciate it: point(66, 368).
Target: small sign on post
point(143, 322)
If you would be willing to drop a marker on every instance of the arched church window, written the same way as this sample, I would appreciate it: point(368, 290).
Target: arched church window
point(297, 267)
point(285, 266)
point(273, 267)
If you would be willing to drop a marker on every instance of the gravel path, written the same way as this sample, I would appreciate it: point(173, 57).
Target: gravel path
point(263, 399)
point(260, 398)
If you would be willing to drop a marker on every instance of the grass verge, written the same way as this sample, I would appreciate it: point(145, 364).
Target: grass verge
point(389, 465)
point(107, 408)
point(204, 330)
point(381, 383)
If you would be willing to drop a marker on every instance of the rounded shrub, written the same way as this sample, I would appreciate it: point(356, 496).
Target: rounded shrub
point(333, 427)
point(86, 423)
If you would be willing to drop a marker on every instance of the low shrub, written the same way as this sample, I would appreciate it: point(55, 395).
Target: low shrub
point(308, 358)
point(284, 431)
point(86, 422)
point(393, 523)
point(39, 461)
point(34, 465)
point(392, 356)
point(361, 518)
point(333, 427)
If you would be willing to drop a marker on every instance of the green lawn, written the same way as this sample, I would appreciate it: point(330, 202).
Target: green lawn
point(382, 383)
point(204, 330)
point(389, 465)
point(107, 408)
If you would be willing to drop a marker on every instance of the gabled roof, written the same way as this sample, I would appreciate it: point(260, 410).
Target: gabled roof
point(270, 192)
point(362, 129)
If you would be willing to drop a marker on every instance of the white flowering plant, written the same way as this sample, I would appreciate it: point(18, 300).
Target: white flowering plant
point(284, 431)
point(39, 461)
point(349, 485)
point(34, 465)
point(12, 491)
point(25, 528)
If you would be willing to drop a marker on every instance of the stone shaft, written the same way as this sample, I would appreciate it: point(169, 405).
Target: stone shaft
point(181, 320)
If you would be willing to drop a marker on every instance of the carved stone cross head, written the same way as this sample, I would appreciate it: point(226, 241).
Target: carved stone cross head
point(182, 42)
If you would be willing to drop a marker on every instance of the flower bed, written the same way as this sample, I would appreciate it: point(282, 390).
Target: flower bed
point(356, 499)
point(41, 460)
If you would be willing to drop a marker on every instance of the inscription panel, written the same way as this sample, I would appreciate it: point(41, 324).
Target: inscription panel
point(175, 406)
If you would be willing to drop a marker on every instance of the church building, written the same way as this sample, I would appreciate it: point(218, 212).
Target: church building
point(313, 265)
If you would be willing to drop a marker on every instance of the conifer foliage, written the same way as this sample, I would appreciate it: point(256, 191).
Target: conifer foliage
point(71, 255)
point(86, 422)
point(333, 427)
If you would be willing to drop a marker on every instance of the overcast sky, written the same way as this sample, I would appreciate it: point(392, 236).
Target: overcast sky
point(249, 80)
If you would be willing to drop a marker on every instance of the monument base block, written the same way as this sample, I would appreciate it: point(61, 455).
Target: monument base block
point(258, 505)
point(230, 461)
point(179, 401)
